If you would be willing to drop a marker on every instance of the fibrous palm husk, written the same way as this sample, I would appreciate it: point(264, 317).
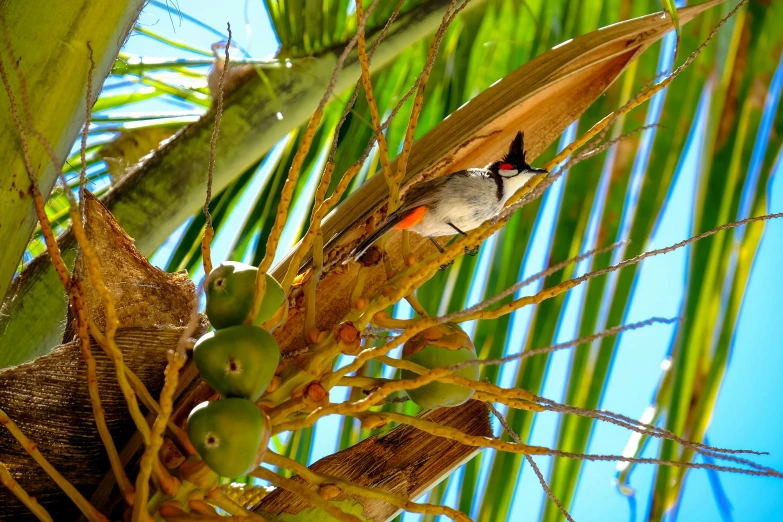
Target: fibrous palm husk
point(48, 397)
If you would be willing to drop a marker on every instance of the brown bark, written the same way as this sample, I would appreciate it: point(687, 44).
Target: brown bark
point(406, 462)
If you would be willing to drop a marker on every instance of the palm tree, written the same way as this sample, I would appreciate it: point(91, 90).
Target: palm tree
point(722, 109)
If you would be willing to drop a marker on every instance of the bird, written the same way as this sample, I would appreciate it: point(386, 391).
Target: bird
point(458, 202)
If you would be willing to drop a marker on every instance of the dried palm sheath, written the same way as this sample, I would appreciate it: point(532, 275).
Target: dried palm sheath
point(48, 397)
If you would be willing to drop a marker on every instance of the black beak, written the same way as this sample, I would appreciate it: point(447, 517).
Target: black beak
point(538, 171)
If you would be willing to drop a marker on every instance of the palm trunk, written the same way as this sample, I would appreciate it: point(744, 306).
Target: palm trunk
point(49, 45)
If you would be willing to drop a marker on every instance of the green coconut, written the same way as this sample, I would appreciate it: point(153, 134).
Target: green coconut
point(444, 345)
point(227, 434)
point(230, 289)
point(238, 361)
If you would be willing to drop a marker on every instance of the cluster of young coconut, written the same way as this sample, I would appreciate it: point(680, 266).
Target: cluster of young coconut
point(238, 361)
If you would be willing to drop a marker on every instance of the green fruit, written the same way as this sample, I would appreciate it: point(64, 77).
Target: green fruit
point(227, 434)
point(445, 345)
point(238, 361)
point(230, 289)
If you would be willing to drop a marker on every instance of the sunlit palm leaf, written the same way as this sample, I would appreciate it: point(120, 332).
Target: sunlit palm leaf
point(305, 28)
point(589, 371)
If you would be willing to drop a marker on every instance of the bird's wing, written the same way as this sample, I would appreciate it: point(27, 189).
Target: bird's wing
point(423, 194)
point(419, 195)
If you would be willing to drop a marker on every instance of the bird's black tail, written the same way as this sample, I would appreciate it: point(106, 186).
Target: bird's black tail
point(379, 232)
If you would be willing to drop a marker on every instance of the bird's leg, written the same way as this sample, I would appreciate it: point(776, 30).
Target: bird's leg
point(440, 249)
point(468, 251)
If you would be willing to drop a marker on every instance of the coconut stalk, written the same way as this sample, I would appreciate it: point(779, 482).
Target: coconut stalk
point(531, 98)
point(575, 73)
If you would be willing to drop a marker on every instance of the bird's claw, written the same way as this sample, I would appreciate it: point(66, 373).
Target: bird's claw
point(444, 267)
point(472, 251)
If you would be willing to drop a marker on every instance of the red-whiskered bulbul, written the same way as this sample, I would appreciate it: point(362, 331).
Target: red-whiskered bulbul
point(457, 202)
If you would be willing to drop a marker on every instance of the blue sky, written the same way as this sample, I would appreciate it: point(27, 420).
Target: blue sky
point(745, 413)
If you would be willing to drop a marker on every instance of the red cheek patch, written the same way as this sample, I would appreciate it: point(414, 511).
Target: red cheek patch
point(414, 218)
point(506, 166)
